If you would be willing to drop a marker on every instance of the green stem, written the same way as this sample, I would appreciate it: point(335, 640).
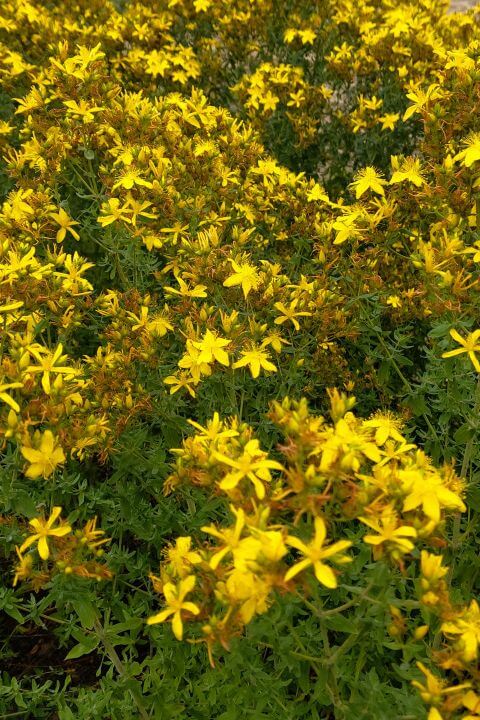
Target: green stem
point(406, 383)
point(120, 668)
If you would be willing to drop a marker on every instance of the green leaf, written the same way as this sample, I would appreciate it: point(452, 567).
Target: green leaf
point(24, 504)
point(417, 404)
point(86, 612)
point(341, 624)
point(464, 433)
point(82, 649)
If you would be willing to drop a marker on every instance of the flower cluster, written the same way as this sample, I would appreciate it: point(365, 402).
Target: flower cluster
point(61, 550)
point(281, 513)
point(210, 209)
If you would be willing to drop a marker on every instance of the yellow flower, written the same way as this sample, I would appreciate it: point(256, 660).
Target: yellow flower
point(215, 430)
point(201, 5)
point(347, 445)
point(46, 459)
point(182, 557)
point(471, 153)
point(307, 36)
point(269, 101)
point(256, 358)
point(245, 275)
point(198, 291)
point(432, 569)
point(389, 120)
point(156, 325)
point(315, 552)
point(289, 313)
point(82, 110)
point(47, 365)
point(317, 193)
point(129, 178)
point(389, 532)
point(250, 591)
point(211, 348)
point(92, 537)
point(230, 537)
point(177, 382)
point(420, 99)
point(112, 212)
point(394, 301)
point(469, 345)
point(467, 626)
point(191, 361)
point(44, 529)
point(24, 567)
point(66, 223)
point(272, 544)
point(386, 426)
point(411, 171)
point(175, 597)
point(253, 465)
point(368, 179)
point(427, 490)
point(433, 689)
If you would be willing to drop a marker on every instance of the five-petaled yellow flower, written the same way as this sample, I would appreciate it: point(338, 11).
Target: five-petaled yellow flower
point(389, 532)
point(470, 345)
point(289, 313)
point(44, 529)
point(212, 348)
point(47, 364)
point(316, 552)
point(245, 275)
point(256, 358)
point(368, 179)
point(175, 597)
point(66, 224)
point(44, 460)
point(253, 464)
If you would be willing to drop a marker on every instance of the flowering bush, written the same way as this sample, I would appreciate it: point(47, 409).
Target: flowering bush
point(239, 370)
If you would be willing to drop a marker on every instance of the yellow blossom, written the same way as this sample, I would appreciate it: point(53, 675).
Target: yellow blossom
point(316, 552)
point(411, 171)
point(471, 153)
point(66, 224)
point(44, 460)
point(289, 314)
point(368, 179)
point(230, 537)
point(245, 275)
point(176, 604)
point(23, 568)
point(253, 465)
point(466, 627)
point(390, 532)
point(6, 397)
point(256, 358)
point(182, 557)
point(470, 345)
point(211, 348)
point(44, 529)
point(48, 364)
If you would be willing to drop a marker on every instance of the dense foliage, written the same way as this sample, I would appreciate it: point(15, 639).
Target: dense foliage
point(239, 370)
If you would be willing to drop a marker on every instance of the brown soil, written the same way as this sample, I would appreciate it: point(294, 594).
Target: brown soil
point(36, 651)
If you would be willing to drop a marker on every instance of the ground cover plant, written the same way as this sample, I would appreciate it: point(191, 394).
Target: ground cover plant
point(240, 359)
